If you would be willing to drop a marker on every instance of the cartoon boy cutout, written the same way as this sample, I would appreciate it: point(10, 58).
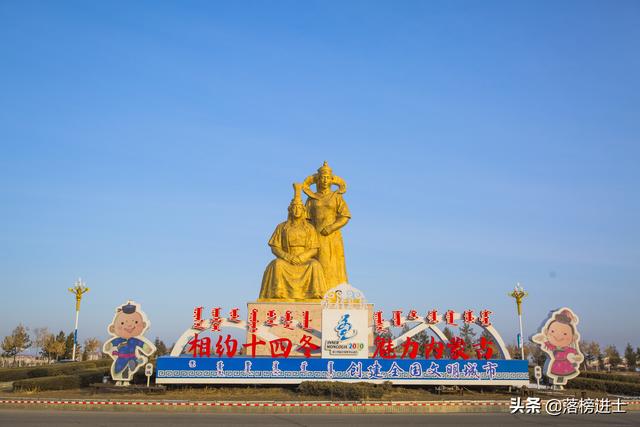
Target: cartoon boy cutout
point(559, 338)
point(128, 348)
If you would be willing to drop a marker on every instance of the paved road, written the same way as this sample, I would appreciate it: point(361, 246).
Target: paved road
point(49, 418)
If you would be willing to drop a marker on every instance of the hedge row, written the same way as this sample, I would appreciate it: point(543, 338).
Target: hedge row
point(344, 391)
point(62, 382)
point(614, 387)
point(13, 374)
point(611, 377)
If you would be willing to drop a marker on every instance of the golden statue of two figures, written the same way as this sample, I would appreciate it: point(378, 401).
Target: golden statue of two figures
point(308, 245)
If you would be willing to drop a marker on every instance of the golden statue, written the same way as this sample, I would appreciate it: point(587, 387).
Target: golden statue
point(295, 274)
point(328, 212)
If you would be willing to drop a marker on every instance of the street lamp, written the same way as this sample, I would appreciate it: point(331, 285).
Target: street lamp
point(78, 290)
point(519, 294)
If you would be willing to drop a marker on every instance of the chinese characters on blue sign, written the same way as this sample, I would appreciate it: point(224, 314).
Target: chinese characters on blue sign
point(270, 370)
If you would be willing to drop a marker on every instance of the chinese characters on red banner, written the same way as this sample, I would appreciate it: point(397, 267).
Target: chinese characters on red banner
point(280, 347)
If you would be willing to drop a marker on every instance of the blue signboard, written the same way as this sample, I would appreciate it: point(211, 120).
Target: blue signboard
point(194, 370)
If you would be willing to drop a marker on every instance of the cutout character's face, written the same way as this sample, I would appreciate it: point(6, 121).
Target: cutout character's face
point(560, 334)
point(127, 325)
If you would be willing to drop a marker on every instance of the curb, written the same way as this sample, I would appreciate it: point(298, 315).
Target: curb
point(450, 406)
point(250, 404)
point(389, 407)
point(268, 407)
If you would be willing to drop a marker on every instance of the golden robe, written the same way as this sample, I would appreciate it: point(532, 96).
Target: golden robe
point(324, 211)
point(285, 281)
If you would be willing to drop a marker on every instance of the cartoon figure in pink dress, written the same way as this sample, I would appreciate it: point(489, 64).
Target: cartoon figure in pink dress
point(559, 338)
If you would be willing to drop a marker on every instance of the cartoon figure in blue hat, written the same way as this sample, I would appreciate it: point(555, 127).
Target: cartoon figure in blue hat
point(128, 348)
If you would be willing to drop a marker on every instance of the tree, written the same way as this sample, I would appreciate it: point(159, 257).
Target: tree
point(601, 362)
point(46, 345)
point(91, 345)
point(68, 346)
point(591, 351)
point(447, 332)
point(514, 351)
point(614, 357)
point(468, 335)
point(535, 353)
point(61, 337)
point(17, 342)
point(161, 347)
point(495, 350)
point(53, 347)
point(630, 355)
point(41, 335)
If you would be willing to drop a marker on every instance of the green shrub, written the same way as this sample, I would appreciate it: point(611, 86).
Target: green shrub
point(62, 382)
point(344, 391)
point(58, 382)
point(101, 363)
point(587, 384)
point(614, 387)
point(39, 372)
point(13, 374)
point(611, 377)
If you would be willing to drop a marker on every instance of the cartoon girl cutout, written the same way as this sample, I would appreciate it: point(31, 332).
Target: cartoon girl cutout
point(559, 338)
point(128, 347)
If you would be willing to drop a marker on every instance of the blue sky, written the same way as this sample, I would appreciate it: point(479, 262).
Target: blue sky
point(150, 148)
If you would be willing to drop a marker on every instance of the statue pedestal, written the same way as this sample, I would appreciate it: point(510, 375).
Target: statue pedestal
point(278, 330)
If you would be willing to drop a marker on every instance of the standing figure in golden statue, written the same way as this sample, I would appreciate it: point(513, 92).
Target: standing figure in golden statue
point(328, 212)
point(295, 274)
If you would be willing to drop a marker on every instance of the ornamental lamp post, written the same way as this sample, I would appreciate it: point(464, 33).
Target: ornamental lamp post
point(78, 290)
point(519, 294)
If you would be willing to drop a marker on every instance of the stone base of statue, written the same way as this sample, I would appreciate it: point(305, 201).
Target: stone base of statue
point(292, 320)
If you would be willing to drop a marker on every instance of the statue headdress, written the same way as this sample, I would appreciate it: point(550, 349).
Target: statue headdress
point(325, 168)
point(313, 179)
point(297, 198)
point(297, 194)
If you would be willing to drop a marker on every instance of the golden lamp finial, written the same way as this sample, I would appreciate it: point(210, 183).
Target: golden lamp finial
point(519, 294)
point(78, 290)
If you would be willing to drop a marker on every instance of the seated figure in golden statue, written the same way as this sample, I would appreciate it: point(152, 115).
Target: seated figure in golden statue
point(295, 274)
point(328, 212)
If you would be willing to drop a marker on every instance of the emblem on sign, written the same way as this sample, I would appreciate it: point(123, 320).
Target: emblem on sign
point(344, 329)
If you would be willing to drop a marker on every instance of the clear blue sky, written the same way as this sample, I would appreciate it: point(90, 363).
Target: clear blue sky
point(150, 147)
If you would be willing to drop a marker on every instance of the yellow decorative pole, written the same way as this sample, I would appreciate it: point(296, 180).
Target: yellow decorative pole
point(78, 290)
point(519, 294)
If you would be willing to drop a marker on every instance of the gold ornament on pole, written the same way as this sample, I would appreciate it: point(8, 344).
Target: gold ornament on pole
point(519, 294)
point(78, 290)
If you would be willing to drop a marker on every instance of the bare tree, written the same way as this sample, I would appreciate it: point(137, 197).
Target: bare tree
point(514, 350)
point(40, 337)
point(91, 345)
